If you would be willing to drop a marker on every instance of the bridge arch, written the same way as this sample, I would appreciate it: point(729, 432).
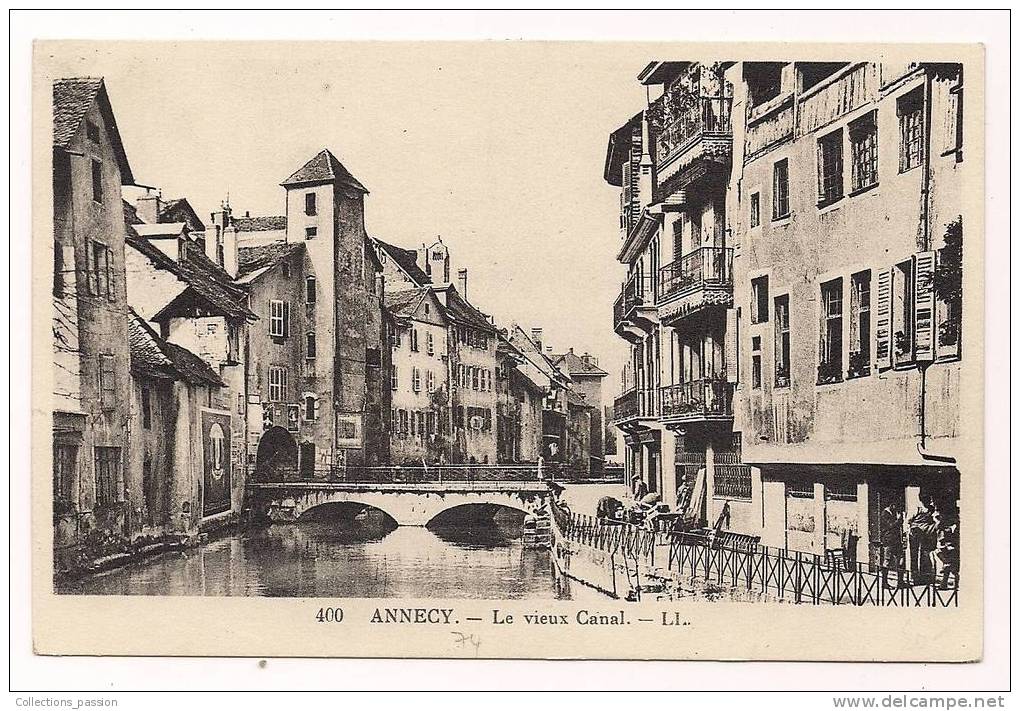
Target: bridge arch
point(476, 511)
point(408, 505)
point(341, 510)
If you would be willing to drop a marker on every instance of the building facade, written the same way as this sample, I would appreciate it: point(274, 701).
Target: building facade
point(672, 163)
point(92, 389)
point(419, 378)
point(793, 236)
point(849, 225)
point(318, 357)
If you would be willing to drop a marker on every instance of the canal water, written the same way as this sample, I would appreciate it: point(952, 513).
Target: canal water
point(365, 557)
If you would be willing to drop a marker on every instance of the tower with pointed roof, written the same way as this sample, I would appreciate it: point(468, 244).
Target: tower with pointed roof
point(325, 213)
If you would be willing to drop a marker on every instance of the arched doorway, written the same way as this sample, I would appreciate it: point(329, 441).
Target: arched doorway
point(277, 456)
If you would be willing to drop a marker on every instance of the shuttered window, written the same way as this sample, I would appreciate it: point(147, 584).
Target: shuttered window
point(924, 306)
point(279, 319)
point(883, 320)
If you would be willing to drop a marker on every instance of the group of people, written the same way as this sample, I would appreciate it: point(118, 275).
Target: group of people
point(928, 545)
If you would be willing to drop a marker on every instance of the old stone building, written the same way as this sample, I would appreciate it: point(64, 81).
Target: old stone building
point(793, 235)
point(179, 473)
point(316, 362)
point(192, 301)
point(586, 381)
point(420, 426)
point(848, 219)
point(91, 391)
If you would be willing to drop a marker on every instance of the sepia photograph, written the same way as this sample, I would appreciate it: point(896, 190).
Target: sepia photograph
point(616, 341)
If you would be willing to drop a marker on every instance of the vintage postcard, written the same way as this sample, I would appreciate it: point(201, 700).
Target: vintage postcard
point(508, 350)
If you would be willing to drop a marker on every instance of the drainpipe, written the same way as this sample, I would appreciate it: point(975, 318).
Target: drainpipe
point(925, 244)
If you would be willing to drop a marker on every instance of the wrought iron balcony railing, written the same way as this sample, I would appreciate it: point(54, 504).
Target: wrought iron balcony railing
point(705, 267)
point(636, 291)
point(678, 118)
point(697, 399)
point(636, 402)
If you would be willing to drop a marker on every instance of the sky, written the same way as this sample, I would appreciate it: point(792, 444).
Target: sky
point(498, 147)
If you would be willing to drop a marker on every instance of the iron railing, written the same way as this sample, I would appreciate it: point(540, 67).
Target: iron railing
point(705, 267)
point(461, 473)
point(694, 399)
point(740, 562)
point(679, 118)
point(637, 402)
point(636, 291)
point(804, 577)
point(731, 481)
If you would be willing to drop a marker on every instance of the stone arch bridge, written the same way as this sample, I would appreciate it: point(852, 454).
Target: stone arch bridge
point(409, 504)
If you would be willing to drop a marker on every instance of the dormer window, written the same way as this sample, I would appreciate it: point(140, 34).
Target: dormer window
point(310, 207)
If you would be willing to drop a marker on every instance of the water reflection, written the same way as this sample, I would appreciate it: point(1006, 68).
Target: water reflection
point(367, 556)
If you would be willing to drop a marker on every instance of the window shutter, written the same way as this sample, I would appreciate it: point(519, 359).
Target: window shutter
point(821, 169)
point(315, 410)
point(286, 319)
point(924, 306)
point(883, 320)
point(731, 348)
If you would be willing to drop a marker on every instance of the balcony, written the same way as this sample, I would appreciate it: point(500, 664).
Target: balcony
point(634, 313)
point(707, 399)
point(634, 404)
point(700, 279)
point(690, 134)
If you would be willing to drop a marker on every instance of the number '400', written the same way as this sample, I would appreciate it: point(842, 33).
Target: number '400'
point(330, 614)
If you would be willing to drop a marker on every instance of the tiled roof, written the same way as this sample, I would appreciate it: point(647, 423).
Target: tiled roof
point(72, 99)
point(260, 224)
point(460, 310)
point(156, 358)
point(533, 353)
point(204, 277)
point(324, 168)
point(180, 210)
point(406, 259)
point(264, 255)
point(575, 365)
point(405, 302)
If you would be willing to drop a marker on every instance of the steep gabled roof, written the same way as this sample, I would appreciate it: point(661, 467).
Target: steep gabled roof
point(156, 358)
point(575, 365)
point(255, 257)
point(522, 341)
point(406, 260)
point(205, 279)
point(458, 309)
point(323, 168)
point(405, 302)
point(180, 210)
point(72, 99)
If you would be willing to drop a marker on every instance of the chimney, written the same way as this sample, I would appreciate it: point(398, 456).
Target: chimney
point(148, 206)
point(221, 240)
point(462, 280)
point(536, 336)
point(423, 259)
